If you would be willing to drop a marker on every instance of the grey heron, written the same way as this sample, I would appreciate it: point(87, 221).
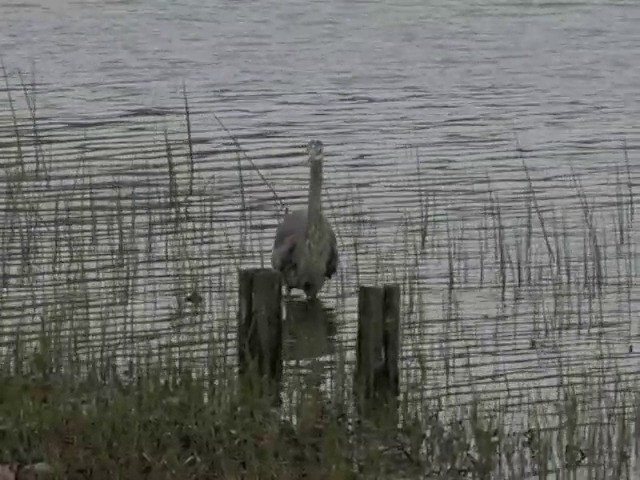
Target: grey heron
point(305, 249)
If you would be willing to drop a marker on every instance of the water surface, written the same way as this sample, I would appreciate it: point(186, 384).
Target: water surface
point(446, 89)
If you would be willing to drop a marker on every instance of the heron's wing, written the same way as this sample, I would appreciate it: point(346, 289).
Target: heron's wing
point(288, 234)
point(332, 259)
point(294, 223)
point(283, 255)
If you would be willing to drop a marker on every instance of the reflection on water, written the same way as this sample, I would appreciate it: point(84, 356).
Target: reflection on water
point(309, 329)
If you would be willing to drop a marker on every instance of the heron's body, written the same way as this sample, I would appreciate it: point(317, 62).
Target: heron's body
point(305, 248)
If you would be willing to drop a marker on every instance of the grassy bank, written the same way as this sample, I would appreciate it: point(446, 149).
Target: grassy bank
point(161, 421)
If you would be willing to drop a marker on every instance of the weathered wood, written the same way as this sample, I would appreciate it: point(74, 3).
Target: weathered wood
point(260, 331)
point(369, 354)
point(376, 383)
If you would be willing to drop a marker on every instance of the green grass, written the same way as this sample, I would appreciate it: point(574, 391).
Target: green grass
point(160, 422)
point(96, 386)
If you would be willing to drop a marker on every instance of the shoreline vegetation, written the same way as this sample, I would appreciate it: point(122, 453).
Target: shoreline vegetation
point(77, 401)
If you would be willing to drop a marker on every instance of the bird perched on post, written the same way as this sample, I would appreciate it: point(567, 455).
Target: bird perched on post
point(305, 249)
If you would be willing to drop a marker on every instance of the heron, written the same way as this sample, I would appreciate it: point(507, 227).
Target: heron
point(305, 250)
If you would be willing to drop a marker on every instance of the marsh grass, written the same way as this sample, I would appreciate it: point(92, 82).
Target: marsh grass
point(117, 323)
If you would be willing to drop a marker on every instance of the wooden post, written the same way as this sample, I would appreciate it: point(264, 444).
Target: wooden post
point(369, 357)
point(260, 331)
point(376, 382)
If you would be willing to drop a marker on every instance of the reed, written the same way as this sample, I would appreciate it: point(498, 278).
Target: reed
point(118, 331)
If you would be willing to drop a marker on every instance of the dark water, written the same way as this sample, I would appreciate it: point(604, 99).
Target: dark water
point(386, 86)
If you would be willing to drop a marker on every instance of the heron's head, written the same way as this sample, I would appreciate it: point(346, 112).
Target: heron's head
point(314, 150)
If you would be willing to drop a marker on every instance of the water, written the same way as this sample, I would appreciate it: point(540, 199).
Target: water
point(382, 84)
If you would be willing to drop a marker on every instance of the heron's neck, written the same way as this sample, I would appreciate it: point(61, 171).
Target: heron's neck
point(315, 192)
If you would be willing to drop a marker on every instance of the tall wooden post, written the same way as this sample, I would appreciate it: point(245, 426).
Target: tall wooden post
point(376, 382)
point(260, 332)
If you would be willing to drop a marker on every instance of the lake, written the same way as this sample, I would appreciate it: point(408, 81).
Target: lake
point(427, 110)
